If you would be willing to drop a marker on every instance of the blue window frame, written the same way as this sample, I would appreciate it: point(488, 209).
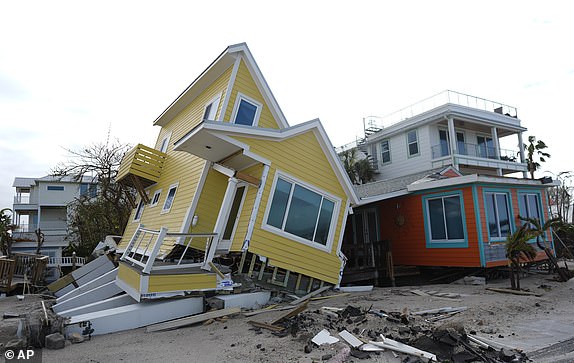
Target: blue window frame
point(445, 221)
point(529, 205)
point(59, 188)
point(498, 211)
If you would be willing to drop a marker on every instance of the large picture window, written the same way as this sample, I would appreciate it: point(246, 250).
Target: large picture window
point(445, 221)
point(300, 211)
point(498, 215)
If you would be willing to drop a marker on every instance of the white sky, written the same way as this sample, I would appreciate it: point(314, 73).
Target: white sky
point(69, 71)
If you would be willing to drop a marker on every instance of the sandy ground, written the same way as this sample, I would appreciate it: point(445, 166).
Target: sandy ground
point(533, 324)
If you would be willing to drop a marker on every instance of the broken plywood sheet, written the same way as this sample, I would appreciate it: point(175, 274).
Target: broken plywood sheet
point(324, 337)
point(247, 300)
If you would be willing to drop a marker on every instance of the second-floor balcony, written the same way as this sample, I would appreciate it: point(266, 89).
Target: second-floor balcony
point(141, 167)
point(478, 151)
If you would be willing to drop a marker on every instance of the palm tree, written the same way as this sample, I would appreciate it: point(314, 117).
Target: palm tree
point(538, 231)
point(535, 149)
point(517, 247)
point(360, 171)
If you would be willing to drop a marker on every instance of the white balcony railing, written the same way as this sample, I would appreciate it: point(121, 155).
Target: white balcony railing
point(66, 261)
point(22, 199)
point(479, 151)
point(443, 98)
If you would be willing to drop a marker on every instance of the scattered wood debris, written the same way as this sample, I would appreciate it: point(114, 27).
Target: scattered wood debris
point(190, 320)
point(513, 292)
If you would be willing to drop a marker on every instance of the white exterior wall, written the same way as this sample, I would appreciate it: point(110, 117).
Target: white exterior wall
point(56, 197)
point(401, 164)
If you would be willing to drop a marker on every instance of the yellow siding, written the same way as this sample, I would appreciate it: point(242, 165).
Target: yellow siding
point(302, 157)
point(244, 83)
point(209, 204)
point(179, 167)
point(129, 275)
point(181, 282)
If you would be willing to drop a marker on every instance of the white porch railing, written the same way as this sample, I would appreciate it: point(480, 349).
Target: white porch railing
point(66, 261)
point(144, 247)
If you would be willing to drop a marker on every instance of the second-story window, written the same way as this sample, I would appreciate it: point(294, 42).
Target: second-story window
point(155, 198)
point(169, 198)
point(59, 188)
point(139, 211)
point(246, 111)
point(412, 143)
point(210, 111)
point(385, 151)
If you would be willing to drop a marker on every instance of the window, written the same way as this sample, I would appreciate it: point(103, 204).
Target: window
point(445, 145)
point(302, 212)
point(155, 198)
point(88, 190)
point(529, 206)
point(246, 111)
point(139, 211)
point(385, 151)
point(445, 221)
point(59, 188)
point(412, 143)
point(164, 143)
point(485, 147)
point(497, 215)
point(210, 111)
point(169, 198)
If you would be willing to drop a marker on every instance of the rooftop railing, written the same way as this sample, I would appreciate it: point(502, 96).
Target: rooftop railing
point(442, 98)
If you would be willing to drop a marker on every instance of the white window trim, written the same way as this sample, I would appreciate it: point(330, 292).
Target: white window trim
point(213, 111)
point(166, 140)
point(136, 212)
point(152, 198)
point(238, 216)
point(334, 218)
point(174, 185)
point(409, 143)
point(388, 141)
point(241, 96)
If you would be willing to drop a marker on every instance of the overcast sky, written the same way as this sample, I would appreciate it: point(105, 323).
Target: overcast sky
point(69, 71)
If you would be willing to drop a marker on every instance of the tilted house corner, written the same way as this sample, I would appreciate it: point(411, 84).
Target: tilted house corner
point(228, 177)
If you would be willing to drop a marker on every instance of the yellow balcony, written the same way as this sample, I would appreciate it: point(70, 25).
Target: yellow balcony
point(141, 167)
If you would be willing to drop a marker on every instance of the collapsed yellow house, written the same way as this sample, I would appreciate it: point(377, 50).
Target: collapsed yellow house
point(229, 180)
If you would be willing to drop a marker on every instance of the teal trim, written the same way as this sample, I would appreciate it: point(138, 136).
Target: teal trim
point(479, 226)
point(508, 193)
point(520, 193)
point(446, 243)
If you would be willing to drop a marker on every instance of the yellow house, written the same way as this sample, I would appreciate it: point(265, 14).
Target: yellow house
point(231, 187)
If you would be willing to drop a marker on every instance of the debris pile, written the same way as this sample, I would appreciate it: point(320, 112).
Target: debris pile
point(360, 333)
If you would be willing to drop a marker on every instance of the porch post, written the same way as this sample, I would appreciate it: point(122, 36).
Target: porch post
point(494, 135)
point(452, 141)
point(522, 158)
point(221, 221)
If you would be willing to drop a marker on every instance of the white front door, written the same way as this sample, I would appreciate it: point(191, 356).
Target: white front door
point(232, 219)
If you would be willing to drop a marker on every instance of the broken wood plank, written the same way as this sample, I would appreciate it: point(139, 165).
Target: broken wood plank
point(310, 295)
point(440, 310)
point(403, 348)
point(266, 326)
point(350, 338)
point(514, 292)
point(266, 310)
point(365, 288)
point(420, 293)
point(291, 313)
point(178, 323)
point(216, 270)
point(329, 296)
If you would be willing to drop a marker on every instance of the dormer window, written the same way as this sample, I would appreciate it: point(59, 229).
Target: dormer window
point(210, 110)
point(246, 111)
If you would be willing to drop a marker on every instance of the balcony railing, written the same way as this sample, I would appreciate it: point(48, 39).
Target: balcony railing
point(22, 199)
point(479, 151)
point(443, 98)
